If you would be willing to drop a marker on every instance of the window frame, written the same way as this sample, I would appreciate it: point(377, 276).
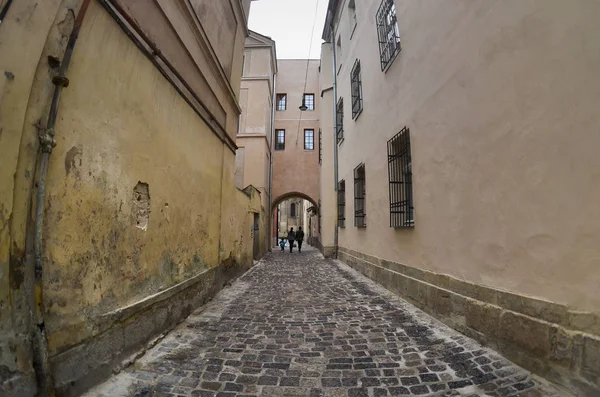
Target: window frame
point(312, 138)
point(401, 198)
point(304, 96)
point(341, 203)
point(320, 147)
point(293, 212)
point(360, 196)
point(277, 100)
point(388, 33)
point(356, 90)
point(339, 120)
point(279, 145)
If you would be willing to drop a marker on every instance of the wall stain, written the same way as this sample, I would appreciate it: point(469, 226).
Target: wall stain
point(70, 159)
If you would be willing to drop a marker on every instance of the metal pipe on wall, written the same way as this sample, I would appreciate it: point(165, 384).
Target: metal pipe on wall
point(47, 142)
point(270, 236)
point(335, 143)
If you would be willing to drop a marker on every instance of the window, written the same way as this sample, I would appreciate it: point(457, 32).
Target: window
point(309, 101)
point(356, 89)
point(320, 147)
point(319, 216)
point(339, 122)
point(280, 143)
point(400, 179)
point(342, 204)
point(309, 139)
point(281, 100)
point(359, 197)
point(352, 16)
point(388, 33)
point(293, 210)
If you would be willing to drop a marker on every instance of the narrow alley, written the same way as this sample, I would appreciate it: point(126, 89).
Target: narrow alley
point(301, 325)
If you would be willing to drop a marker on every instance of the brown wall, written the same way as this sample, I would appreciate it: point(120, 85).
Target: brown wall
point(295, 169)
point(143, 220)
point(500, 98)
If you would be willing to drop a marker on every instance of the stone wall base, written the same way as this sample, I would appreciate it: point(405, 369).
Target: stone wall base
point(132, 328)
point(328, 252)
point(546, 338)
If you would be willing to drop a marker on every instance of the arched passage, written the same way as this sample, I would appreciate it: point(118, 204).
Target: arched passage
point(285, 212)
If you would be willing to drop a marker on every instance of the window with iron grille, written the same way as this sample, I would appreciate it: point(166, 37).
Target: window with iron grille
point(309, 139)
point(342, 204)
point(281, 100)
point(359, 197)
point(356, 89)
point(280, 142)
point(309, 101)
point(320, 147)
point(388, 33)
point(339, 123)
point(400, 179)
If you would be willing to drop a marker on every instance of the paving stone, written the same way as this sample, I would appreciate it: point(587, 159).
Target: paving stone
point(300, 325)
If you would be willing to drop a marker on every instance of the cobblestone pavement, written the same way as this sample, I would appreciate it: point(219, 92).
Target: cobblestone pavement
point(300, 325)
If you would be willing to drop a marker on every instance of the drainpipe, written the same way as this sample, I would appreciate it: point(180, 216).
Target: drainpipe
point(272, 132)
point(335, 142)
point(47, 142)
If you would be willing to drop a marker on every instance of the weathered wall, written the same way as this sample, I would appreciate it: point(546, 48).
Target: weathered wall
point(296, 169)
point(500, 98)
point(137, 190)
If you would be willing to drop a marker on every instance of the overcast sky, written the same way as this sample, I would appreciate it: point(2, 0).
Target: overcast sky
point(289, 22)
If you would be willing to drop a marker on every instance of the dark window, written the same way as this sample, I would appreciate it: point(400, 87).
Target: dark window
point(389, 35)
point(356, 89)
point(293, 210)
point(280, 143)
point(342, 204)
point(320, 147)
point(359, 197)
point(309, 101)
point(339, 123)
point(309, 139)
point(352, 15)
point(400, 178)
point(319, 216)
point(281, 100)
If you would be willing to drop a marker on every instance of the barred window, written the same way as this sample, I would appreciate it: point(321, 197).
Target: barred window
point(342, 204)
point(339, 111)
point(356, 89)
point(359, 197)
point(281, 100)
point(320, 147)
point(309, 139)
point(280, 143)
point(388, 33)
point(309, 101)
point(400, 179)
point(319, 216)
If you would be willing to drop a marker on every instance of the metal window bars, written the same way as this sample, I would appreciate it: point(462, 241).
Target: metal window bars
point(339, 123)
point(388, 33)
point(356, 89)
point(359, 196)
point(400, 180)
point(309, 139)
point(342, 204)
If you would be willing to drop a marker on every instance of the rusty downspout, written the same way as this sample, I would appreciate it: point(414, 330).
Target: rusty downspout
point(47, 142)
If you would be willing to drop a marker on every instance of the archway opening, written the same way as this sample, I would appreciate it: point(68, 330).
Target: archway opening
point(295, 210)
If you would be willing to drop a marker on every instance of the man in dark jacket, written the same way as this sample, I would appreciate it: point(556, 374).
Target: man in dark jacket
point(300, 238)
point(291, 237)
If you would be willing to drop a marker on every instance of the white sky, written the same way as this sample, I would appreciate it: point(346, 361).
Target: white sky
point(289, 22)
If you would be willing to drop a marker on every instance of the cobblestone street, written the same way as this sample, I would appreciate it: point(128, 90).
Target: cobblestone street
point(300, 325)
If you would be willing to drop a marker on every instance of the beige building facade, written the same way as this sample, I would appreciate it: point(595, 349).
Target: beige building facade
point(124, 216)
point(296, 144)
point(254, 137)
point(467, 168)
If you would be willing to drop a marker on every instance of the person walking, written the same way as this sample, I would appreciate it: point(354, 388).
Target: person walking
point(300, 238)
point(291, 237)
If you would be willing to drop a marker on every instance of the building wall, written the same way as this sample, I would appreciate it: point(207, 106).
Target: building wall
point(327, 190)
point(143, 220)
point(295, 169)
point(500, 99)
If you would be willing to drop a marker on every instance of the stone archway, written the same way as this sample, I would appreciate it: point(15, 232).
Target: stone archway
point(310, 227)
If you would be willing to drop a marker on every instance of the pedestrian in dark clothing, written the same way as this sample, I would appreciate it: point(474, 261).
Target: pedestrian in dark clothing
point(291, 237)
point(300, 238)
